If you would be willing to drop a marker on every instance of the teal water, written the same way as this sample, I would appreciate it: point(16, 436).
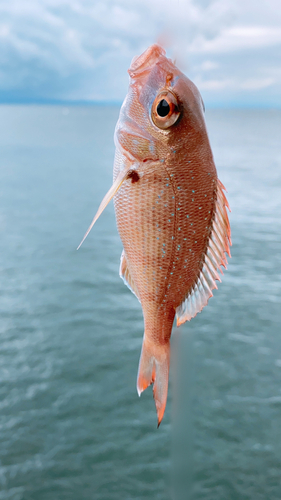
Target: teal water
point(71, 424)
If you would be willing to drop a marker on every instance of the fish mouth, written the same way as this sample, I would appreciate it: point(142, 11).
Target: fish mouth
point(146, 60)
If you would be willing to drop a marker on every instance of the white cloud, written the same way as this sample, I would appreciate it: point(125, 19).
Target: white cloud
point(257, 83)
point(215, 84)
point(236, 84)
point(208, 65)
point(238, 38)
point(81, 49)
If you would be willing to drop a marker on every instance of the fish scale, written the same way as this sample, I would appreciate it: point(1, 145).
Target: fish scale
point(164, 232)
point(170, 208)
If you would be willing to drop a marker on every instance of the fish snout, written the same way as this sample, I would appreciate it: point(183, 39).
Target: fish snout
point(146, 61)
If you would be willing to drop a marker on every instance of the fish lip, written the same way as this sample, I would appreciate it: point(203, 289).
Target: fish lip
point(144, 62)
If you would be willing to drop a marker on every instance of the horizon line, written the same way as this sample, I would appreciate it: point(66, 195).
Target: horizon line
point(88, 102)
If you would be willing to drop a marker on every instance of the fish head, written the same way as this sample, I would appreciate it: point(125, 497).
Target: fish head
point(163, 109)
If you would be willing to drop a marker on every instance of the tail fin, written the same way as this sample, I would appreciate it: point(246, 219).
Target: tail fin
point(154, 368)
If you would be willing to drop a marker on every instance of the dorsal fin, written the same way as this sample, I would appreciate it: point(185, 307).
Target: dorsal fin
point(126, 275)
point(218, 243)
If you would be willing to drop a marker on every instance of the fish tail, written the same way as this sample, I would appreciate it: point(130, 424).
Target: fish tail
point(154, 369)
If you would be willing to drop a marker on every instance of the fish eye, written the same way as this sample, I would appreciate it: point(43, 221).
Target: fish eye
point(165, 110)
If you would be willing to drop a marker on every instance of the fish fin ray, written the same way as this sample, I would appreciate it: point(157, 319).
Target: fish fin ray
point(214, 258)
point(154, 369)
point(109, 195)
point(125, 274)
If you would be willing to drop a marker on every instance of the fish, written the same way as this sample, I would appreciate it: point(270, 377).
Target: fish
point(171, 208)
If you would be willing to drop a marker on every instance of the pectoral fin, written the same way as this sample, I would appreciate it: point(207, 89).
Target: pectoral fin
point(109, 195)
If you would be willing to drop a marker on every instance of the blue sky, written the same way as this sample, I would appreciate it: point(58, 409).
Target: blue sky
point(79, 50)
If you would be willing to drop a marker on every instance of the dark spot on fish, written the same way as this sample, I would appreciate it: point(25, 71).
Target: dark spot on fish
point(134, 176)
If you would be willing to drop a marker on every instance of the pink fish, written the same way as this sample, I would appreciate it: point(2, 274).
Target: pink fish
point(170, 208)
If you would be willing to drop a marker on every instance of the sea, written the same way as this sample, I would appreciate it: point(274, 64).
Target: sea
point(72, 426)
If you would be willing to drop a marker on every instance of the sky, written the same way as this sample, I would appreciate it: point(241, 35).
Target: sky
point(80, 50)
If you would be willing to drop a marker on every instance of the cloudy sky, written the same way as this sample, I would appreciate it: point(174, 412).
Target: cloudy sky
point(79, 50)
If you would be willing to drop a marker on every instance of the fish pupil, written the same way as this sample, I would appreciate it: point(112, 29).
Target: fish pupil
point(163, 108)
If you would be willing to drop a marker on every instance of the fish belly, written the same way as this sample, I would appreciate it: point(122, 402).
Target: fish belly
point(164, 220)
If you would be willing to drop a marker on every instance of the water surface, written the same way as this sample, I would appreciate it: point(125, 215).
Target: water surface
point(71, 424)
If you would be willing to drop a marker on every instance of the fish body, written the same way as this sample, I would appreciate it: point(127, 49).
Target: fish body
point(170, 208)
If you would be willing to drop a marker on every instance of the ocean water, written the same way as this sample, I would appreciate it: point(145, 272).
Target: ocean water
point(71, 424)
